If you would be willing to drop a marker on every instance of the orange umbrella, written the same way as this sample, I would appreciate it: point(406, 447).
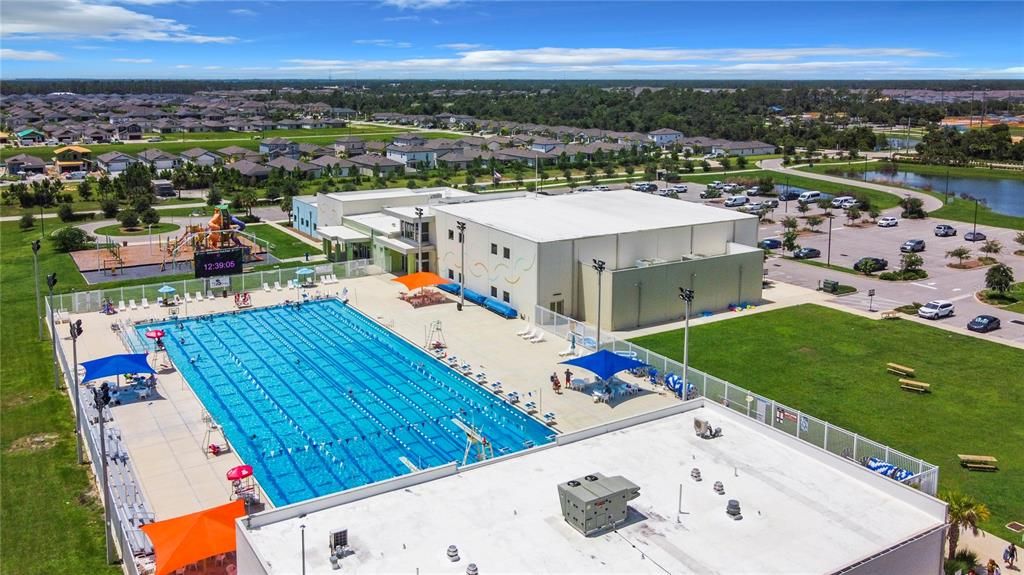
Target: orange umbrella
point(190, 538)
point(421, 280)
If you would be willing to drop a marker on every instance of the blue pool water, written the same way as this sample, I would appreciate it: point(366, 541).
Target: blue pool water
point(321, 398)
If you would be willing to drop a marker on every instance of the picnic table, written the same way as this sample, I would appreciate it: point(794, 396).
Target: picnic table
point(979, 462)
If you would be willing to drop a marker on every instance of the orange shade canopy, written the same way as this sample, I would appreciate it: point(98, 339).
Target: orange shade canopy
point(421, 279)
point(190, 538)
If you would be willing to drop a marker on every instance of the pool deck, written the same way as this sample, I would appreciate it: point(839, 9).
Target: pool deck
point(164, 434)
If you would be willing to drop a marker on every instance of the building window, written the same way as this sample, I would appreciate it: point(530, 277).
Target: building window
point(451, 234)
point(494, 249)
point(505, 297)
point(507, 253)
point(494, 291)
point(451, 274)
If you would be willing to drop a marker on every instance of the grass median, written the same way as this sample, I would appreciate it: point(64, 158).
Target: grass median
point(832, 364)
point(284, 244)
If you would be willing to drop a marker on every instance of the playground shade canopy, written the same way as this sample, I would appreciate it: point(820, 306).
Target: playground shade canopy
point(116, 365)
point(421, 279)
point(166, 289)
point(190, 538)
point(604, 363)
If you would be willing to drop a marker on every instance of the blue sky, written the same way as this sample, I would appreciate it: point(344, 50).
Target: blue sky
point(466, 39)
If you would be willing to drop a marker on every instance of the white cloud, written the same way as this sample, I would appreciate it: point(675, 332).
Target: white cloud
point(460, 46)
point(418, 4)
point(409, 18)
point(81, 19)
point(28, 55)
point(183, 66)
point(212, 67)
point(133, 60)
point(243, 12)
point(383, 43)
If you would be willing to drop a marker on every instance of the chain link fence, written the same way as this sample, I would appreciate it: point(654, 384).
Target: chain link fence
point(924, 476)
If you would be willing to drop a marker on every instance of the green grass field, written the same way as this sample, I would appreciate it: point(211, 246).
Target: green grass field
point(347, 131)
point(927, 169)
point(1012, 300)
point(285, 245)
point(115, 230)
point(878, 199)
point(831, 364)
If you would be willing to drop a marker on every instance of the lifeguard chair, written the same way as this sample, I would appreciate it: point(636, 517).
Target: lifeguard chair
point(243, 486)
point(476, 443)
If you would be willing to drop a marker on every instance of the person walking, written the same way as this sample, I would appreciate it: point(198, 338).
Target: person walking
point(1010, 555)
point(568, 377)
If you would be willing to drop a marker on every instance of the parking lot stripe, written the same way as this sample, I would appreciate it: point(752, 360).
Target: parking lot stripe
point(924, 286)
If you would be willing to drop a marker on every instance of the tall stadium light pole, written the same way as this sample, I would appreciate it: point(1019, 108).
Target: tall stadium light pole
point(828, 256)
point(599, 267)
point(462, 265)
point(35, 276)
point(102, 397)
point(76, 330)
point(687, 296)
point(419, 237)
point(51, 280)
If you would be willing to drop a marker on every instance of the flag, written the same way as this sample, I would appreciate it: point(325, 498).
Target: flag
point(496, 175)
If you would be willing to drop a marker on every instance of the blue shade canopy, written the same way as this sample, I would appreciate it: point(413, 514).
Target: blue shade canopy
point(604, 363)
point(304, 271)
point(166, 289)
point(116, 365)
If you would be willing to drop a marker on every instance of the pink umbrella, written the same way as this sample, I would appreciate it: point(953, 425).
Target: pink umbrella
point(240, 472)
point(155, 333)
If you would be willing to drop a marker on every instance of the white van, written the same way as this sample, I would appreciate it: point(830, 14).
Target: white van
point(808, 197)
point(736, 201)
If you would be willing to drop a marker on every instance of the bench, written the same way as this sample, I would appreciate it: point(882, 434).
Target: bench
point(900, 369)
point(911, 385)
point(891, 314)
point(979, 462)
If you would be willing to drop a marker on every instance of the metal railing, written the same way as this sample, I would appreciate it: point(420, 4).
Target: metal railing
point(91, 301)
point(766, 411)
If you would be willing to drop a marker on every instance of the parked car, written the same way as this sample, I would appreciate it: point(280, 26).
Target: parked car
point(888, 222)
point(155, 139)
point(716, 184)
point(639, 186)
point(879, 264)
point(806, 253)
point(601, 188)
point(936, 309)
point(710, 193)
point(944, 230)
point(984, 324)
point(788, 196)
point(755, 191)
point(771, 203)
point(808, 197)
point(850, 203)
point(838, 202)
point(753, 207)
point(78, 175)
point(911, 246)
point(770, 244)
point(729, 187)
point(975, 237)
point(679, 188)
point(735, 201)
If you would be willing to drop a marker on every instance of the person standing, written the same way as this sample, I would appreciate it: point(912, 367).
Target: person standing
point(1010, 555)
point(568, 377)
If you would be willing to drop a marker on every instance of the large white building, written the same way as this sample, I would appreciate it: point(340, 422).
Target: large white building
point(539, 250)
point(804, 510)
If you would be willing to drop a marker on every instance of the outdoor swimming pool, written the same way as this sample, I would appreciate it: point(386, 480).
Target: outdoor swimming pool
point(321, 398)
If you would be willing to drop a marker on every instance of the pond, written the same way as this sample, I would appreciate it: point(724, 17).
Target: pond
point(897, 143)
point(1004, 196)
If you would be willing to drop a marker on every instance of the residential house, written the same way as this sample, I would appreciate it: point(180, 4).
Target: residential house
point(543, 145)
point(287, 124)
point(349, 146)
point(278, 147)
point(25, 164)
point(291, 166)
point(343, 112)
point(72, 159)
point(249, 169)
point(752, 148)
point(664, 137)
point(408, 140)
point(233, 153)
point(527, 157)
point(413, 156)
point(159, 160)
point(313, 150)
point(312, 124)
point(30, 136)
point(129, 131)
point(338, 166)
point(200, 157)
point(114, 163)
point(367, 163)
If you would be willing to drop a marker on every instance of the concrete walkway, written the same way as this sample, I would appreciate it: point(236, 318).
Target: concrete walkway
point(931, 203)
point(54, 215)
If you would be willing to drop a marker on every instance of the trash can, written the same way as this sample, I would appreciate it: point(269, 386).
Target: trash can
point(224, 293)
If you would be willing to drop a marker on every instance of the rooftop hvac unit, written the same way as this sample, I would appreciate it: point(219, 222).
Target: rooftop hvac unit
point(595, 502)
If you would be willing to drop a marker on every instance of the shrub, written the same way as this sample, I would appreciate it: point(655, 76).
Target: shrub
point(129, 219)
point(27, 222)
point(150, 217)
point(903, 275)
point(109, 208)
point(71, 239)
point(249, 218)
point(66, 213)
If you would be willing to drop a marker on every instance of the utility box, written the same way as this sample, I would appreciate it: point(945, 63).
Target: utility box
point(595, 502)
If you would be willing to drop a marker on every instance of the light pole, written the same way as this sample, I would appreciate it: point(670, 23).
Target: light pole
point(462, 265)
point(302, 531)
point(76, 330)
point(828, 256)
point(419, 237)
point(51, 280)
point(975, 217)
point(101, 396)
point(687, 296)
point(599, 268)
point(35, 276)
point(150, 228)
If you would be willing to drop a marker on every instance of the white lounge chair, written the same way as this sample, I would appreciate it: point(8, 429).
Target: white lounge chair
point(550, 418)
point(530, 334)
point(199, 296)
point(188, 297)
point(159, 301)
point(120, 306)
point(334, 279)
point(145, 303)
point(277, 286)
point(131, 304)
point(538, 338)
point(209, 294)
point(266, 288)
point(567, 352)
point(525, 330)
point(291, 284)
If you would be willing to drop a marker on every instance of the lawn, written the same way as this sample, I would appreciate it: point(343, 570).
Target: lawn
point(78, 205)
point(116, 230)
point(881, 200)
point(284, 245)
point(927, 169)
point(832, 365)
point(45, 493)
point(1012, 300)
point(823, 265)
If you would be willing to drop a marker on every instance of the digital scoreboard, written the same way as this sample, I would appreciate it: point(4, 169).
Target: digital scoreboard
point(211, 263)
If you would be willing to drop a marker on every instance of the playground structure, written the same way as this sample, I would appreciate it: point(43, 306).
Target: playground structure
point(222, 231)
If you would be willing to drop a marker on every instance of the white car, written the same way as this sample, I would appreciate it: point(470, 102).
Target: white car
point(936, 309)
point(838, 202)
point(679, 188)
point(888, 222)
point(736, 201)
point(601, 188)
point(850, 203)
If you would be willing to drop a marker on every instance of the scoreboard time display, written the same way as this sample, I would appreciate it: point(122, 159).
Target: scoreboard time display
point(219, 262)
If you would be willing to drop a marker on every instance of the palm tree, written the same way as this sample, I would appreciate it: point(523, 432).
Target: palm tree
point(961, 253)
point(964, 512)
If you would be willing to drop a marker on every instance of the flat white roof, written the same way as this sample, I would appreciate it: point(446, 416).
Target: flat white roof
point(378, 222)
point(342, 233)
point(800, 514)
point(581, 215)
point(398, 193)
